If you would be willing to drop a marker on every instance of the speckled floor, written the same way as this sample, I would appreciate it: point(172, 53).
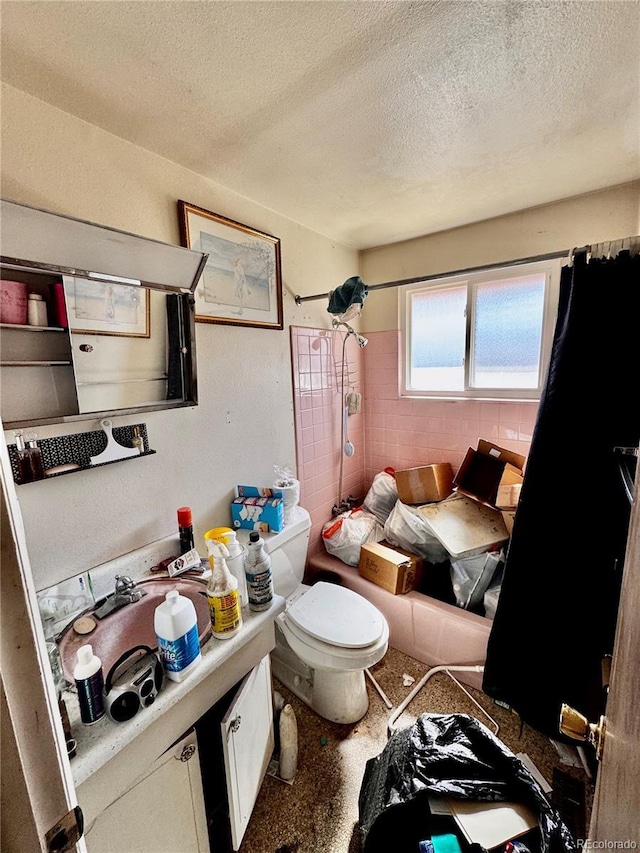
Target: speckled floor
point(318, 813)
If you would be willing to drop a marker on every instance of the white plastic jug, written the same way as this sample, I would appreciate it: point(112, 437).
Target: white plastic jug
point(176, 626)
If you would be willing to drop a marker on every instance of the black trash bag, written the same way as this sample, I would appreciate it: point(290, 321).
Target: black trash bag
point(452, 755)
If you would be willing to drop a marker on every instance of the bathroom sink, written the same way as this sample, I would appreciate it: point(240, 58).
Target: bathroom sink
point(132, 625)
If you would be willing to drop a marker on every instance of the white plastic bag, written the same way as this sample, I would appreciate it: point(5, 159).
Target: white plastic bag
point(407, 529)
point(382, 495)
point(492, 594)
point(344, 535)
point(470, 577)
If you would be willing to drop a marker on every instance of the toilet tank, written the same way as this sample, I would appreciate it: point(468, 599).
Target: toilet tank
point(287, 549)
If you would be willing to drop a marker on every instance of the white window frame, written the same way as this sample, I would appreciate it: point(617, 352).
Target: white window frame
point(551, 270)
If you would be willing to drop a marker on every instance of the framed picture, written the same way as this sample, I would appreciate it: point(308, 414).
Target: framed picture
point(101, 308)
point(242, 281)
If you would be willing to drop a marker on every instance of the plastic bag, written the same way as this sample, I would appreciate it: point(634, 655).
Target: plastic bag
point(470, 577)
point(407, 529)
point(492, 593)
point(344, 536)
point(447, 755)
point(382, 496)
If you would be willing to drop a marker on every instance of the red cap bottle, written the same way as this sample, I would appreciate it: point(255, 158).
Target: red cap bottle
point(185, 528)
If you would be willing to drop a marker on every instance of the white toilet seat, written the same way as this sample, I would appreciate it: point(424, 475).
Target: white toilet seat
point(335, 615)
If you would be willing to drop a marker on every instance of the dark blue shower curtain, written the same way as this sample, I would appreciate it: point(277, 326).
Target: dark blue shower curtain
point(557, 610)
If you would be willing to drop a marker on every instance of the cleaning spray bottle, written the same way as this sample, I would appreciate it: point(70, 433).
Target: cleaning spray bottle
point(222, 593)
point(257, 566)
point(235, 560)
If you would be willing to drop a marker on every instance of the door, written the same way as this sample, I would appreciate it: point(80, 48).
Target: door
point(615, 809)
point(37, 786)
point(247, 744)
point(162, 813)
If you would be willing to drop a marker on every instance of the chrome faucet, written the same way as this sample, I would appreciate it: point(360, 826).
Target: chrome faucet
point(126, 593)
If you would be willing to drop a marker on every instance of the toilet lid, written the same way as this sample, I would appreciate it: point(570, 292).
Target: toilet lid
point(336, 615)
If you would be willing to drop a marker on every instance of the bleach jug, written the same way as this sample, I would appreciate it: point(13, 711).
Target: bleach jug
point(176, 626)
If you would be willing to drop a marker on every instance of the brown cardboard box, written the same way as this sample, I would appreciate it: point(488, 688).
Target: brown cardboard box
point(425, 484)
point(388, 568)
point(507, 516)
point(488, 470)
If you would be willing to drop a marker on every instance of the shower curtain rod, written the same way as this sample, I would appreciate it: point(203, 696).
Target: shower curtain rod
point(567, 253)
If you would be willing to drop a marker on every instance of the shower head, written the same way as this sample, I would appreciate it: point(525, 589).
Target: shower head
point(362, 341)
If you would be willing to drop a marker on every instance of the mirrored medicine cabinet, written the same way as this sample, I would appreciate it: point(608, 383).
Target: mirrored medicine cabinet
point(120, 333)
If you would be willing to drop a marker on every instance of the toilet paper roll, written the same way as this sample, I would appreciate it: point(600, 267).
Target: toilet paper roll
point(290, 497)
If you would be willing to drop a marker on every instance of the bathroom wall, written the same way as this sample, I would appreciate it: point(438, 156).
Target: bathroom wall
point(605, 215)
point(404, 433)
point(244, 423)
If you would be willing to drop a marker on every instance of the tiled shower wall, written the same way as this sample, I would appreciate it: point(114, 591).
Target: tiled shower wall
point(316, 357)
point(390, 430)
point(404, 433)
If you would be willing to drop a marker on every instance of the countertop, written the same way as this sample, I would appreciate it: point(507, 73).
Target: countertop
point(99, 743)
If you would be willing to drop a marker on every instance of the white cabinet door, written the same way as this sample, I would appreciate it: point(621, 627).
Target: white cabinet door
point(247, 743)
point(162, 813)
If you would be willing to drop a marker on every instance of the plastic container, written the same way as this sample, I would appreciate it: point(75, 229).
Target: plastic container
point(176, 626)
point(13, 302)
point(37, 310)
point(90, 685)
point(235, 560)
point(257, 566)
point(185, 529)
point(222, 594)
point(59, 305)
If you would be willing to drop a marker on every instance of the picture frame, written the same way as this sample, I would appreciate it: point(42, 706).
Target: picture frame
point(104, 308)
point(241, 284)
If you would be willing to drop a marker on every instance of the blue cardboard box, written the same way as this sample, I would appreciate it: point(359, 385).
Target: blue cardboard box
point(254, 509)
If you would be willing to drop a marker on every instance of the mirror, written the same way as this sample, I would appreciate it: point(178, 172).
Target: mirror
point(128, 345)
point(118, 345)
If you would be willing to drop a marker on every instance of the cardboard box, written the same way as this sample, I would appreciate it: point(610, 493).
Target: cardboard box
point(388, 568)
point(488, 470)
point(262, 514)
point(507, 516)
point(425, 484)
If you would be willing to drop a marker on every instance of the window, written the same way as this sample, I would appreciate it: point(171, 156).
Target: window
point(481, 336)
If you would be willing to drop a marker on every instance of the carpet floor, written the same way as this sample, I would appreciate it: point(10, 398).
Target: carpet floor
point(318, 812)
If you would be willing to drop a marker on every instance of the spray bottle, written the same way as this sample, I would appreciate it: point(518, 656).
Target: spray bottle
point(235, 560)
point(222, 593)
point(257, 567)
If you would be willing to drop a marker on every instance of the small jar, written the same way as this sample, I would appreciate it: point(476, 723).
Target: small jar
point(37, 310)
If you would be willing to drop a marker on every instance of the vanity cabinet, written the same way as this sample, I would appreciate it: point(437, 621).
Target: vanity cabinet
point(199, 794)
point(163, 812)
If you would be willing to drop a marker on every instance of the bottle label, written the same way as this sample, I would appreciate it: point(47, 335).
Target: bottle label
point(91, 698)
point(260, 586)
point(225, 612)
point(178, 654)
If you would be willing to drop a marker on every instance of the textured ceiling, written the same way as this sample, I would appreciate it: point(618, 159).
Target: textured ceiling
point(369, 122)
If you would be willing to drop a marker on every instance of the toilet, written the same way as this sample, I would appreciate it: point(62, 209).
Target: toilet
point(327, 635)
